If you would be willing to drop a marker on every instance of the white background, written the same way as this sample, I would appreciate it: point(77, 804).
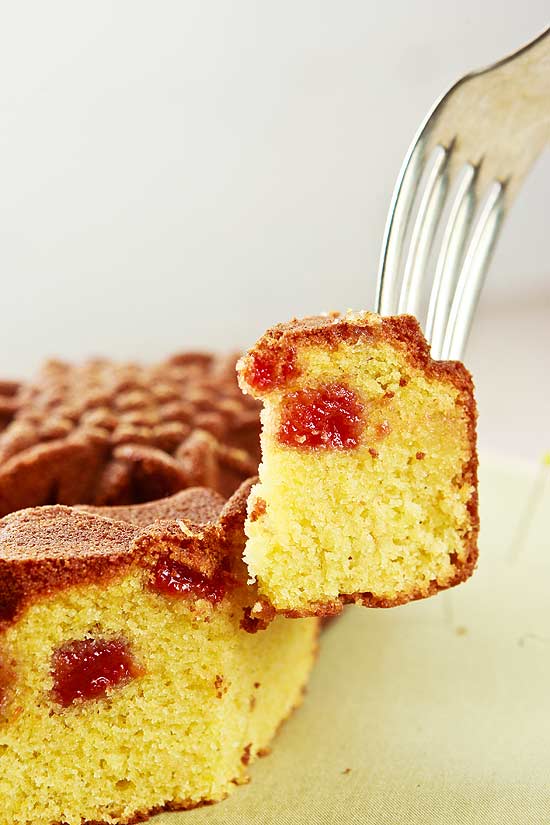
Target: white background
point(184, 174)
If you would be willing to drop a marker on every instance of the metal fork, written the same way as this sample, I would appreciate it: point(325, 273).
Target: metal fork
point(472, 153)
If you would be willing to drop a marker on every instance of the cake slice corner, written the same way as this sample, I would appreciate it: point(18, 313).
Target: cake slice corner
point(129, 683)
point(367, 487)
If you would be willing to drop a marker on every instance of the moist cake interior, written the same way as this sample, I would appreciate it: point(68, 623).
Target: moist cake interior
point(367, 485)
point(129, 682)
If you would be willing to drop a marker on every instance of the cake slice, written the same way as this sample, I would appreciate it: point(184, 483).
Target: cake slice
point(129, 680)
point(368, 480)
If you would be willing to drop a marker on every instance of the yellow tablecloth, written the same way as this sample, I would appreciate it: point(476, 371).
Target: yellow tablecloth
point(437, 712)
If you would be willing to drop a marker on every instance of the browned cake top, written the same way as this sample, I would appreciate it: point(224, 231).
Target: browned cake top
point(270, 363)
point(199, 505)
point(47, 548)
point(333, 327)
point(58, 534)
point(106, 434)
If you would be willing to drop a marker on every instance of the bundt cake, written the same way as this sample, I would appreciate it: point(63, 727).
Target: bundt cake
point(368, 480)
point(110, 433)
point(130, 680)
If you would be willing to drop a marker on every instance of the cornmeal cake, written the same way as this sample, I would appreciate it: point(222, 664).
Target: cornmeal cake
point(368, 480)
point(110, 433)
point(129, 679)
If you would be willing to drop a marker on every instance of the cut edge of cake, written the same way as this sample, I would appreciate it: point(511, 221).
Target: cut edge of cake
point(283, 370)
point(82, 586)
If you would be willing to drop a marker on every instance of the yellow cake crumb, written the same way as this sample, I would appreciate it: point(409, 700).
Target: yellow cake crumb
point(211, 697)
point(392, 518)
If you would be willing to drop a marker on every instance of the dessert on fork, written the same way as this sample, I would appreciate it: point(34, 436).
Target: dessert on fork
point(368, 479)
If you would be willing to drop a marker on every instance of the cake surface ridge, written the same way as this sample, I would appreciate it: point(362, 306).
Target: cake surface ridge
point(109, 433)
point(55, 546)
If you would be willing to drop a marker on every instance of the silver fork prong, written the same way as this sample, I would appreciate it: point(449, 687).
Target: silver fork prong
point(473, 272)
point(395, 232)
point(423, 234)
point(449, 259)
point(472, 121)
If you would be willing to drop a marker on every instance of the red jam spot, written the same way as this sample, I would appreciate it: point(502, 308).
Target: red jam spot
point(327, 417)
point(88, 668)
point(173, 578)
point(271, 369)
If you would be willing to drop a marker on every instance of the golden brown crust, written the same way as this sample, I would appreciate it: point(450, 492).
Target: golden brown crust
point(197, 504)
point(332, 330)
point(106, 434)
point(264, 612)
point(48, 548)
point(404, 332)
point(143, 816)
point(232, 519)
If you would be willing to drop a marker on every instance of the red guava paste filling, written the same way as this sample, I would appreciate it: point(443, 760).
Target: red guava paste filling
point(88, 668)
point(173, 578)
point(271, 369)
point(328, 417)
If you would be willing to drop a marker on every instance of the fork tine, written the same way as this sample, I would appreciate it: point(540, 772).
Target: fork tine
point(396, 229)
point(474, 106)
point(449, 259)
point(423, 234)
point(473, 272)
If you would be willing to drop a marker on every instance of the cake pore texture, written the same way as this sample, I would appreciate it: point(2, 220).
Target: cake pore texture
point(203, 696)
point(381, 521)
point(211, 697)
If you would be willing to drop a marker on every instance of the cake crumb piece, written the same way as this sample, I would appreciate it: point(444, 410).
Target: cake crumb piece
point(245, 758)
point(258, 509)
